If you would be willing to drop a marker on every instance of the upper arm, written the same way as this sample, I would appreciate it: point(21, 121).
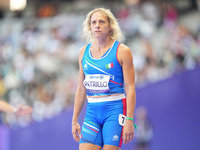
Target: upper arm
point(81, 73)
point(126, 60)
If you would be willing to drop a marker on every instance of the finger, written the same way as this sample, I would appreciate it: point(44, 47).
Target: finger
point(125, 139)
point(75, 136)
point(131, 135)
point(76, 139)
point(130, 138)
point(79, 132)
point(74, 133)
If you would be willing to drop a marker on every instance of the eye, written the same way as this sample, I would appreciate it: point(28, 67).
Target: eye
point(93, 22)
point(101, 21)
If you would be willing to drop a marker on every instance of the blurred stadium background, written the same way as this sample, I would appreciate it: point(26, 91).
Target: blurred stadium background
point(39, 45)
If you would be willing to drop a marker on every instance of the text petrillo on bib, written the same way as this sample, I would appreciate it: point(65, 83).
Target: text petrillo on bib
point(97, 83)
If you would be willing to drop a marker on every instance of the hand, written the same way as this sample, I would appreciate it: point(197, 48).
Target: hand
point(76, 131)
point(128, 131)
point(24, 111)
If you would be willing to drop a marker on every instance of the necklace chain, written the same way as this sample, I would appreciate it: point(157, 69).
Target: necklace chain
point(99, 51)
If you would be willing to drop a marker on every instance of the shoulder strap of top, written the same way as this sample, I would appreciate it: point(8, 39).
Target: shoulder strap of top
point(87, 50)
point(115, 47)
point(88, 47)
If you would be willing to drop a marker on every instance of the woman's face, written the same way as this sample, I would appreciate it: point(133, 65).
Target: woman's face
point(99, 25)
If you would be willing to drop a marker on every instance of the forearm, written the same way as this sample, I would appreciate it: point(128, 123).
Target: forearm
point(5, 107)
point(79, 102)
point(130, 101)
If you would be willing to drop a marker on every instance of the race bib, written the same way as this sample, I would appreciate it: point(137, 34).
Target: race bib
point(122, 119)
point(97, 83)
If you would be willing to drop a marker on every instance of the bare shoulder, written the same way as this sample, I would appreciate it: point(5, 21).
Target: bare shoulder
point(81, 52)
point(124, 53)
point(124, 49)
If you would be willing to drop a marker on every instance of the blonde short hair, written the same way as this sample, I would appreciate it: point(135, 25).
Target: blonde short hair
point(116, 33)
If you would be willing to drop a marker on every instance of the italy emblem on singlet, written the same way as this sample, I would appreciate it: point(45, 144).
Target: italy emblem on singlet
point(110, 65)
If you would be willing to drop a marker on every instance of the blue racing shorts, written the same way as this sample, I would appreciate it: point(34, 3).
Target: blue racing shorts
point(101, 126)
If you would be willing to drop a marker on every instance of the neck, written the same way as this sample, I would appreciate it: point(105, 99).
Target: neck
point(101, 44)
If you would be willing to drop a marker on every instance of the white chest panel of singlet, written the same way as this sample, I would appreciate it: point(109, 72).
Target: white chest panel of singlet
point(97, 83)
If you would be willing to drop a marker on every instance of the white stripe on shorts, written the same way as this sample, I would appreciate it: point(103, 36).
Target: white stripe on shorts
point(105, 99)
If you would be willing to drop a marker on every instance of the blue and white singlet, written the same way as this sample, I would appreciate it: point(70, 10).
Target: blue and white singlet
point(103, 76)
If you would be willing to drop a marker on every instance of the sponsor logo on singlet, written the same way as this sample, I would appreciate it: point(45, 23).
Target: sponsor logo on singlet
point(85, 67)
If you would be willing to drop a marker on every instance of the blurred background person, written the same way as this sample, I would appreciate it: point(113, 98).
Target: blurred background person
point(144, 133)
point(22, 110)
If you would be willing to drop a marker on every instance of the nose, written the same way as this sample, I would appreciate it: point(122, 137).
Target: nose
point(97, 25)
